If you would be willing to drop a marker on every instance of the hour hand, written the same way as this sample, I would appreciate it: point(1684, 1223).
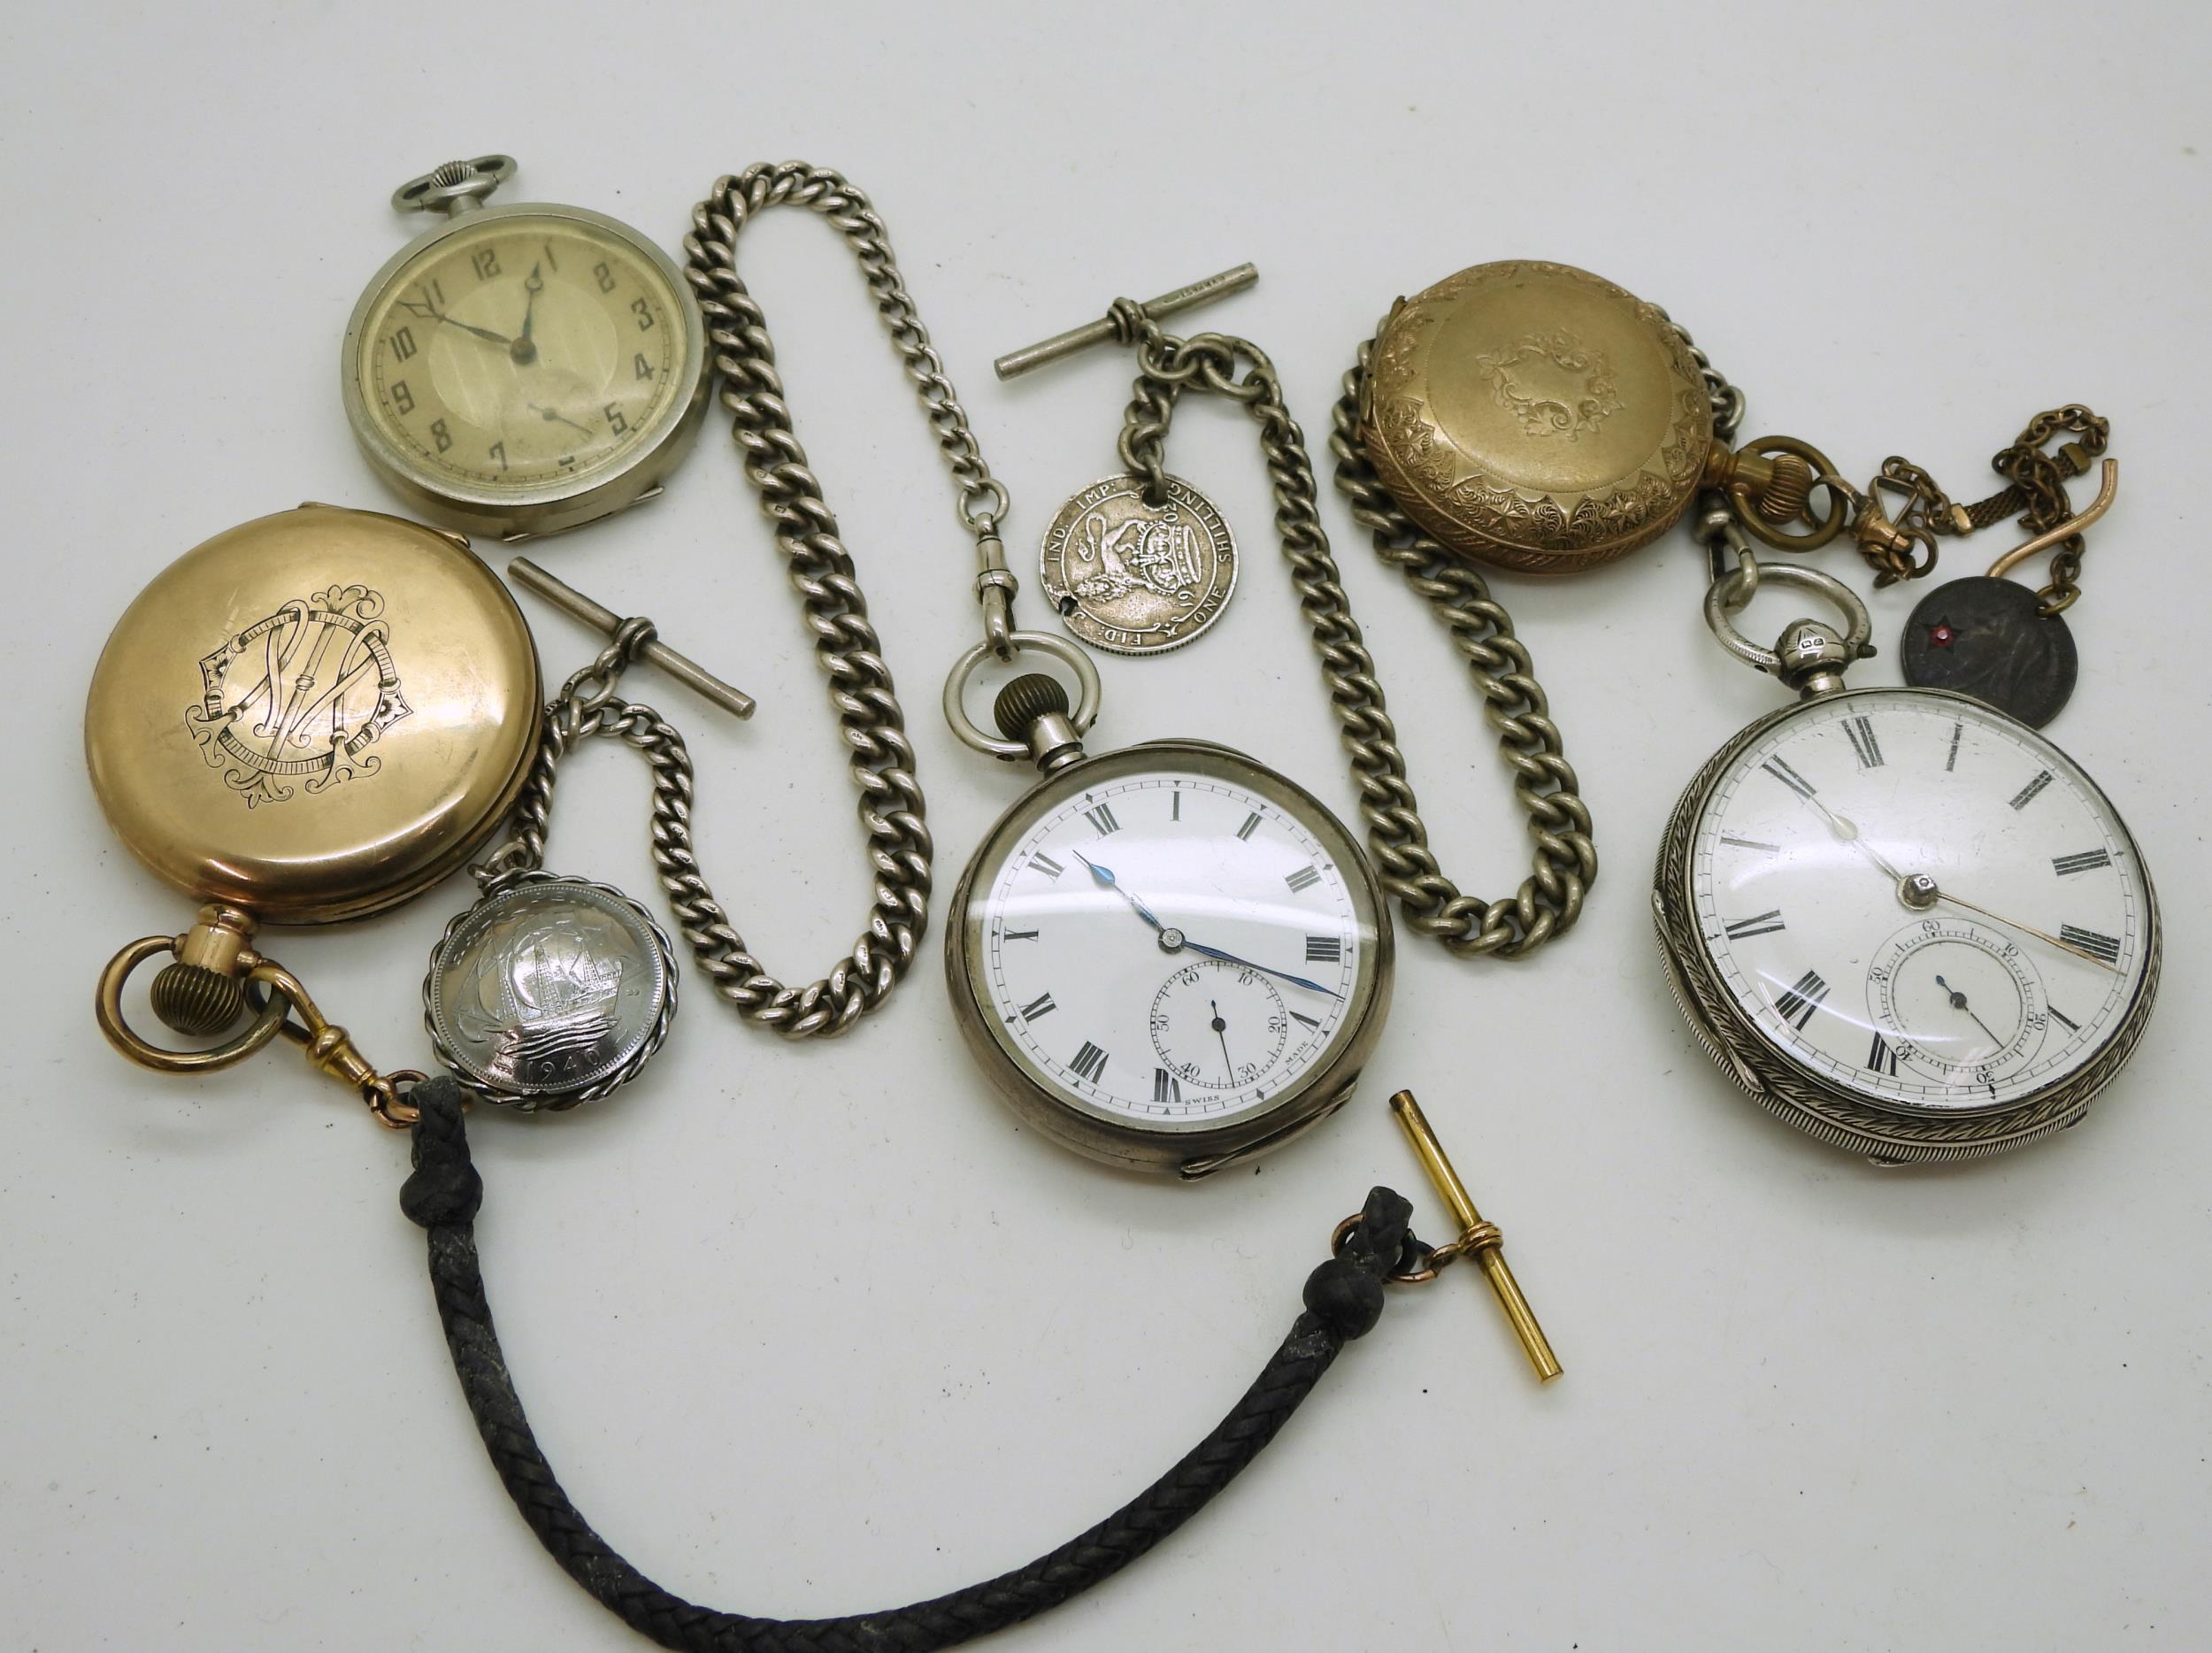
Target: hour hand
point(1104, 875)
point(1847, 831)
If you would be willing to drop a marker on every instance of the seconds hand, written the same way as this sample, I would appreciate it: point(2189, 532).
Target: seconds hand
point(1958, 1003)
point(1221, 1032)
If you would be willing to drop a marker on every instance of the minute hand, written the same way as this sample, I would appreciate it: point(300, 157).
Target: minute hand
point(2029, 930)
point(1204, 951)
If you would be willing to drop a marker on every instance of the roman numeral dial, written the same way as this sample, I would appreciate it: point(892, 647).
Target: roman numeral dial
point(1169, 946)
point(1910, 899)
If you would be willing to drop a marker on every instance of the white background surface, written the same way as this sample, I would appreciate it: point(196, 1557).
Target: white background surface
point(810, 1331)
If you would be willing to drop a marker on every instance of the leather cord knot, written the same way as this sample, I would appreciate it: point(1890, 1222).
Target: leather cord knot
point(1346, 1293)
point(443, 1190)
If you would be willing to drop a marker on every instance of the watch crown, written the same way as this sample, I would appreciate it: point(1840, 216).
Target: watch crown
point(1033, 710)
point(1029, 697)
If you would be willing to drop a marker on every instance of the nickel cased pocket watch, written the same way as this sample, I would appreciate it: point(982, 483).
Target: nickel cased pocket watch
point(519, 370)
point(1169, 957)
point(1900, 919)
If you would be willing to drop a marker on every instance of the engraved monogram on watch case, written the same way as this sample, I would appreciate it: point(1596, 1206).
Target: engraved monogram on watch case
point(299, 695)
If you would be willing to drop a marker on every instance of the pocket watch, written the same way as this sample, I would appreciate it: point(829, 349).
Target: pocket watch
point(1536, 416)
point(1169, 957)
point(308, 719)
point(1899, 917)
point(520, 370)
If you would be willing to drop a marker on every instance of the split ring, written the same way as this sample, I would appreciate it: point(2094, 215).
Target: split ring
point(108, 1008)
point(1088, 690)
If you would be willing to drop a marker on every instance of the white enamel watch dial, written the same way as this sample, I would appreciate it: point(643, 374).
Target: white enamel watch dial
point(1170, 953)
point(1916, 905)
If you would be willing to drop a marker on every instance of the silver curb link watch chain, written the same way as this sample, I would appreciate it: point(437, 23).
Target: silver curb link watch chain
point(1550, 898)
point(860, 685)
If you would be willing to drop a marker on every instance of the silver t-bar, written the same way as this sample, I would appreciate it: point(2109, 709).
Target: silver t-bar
point(1016, 363)
point(575, 604)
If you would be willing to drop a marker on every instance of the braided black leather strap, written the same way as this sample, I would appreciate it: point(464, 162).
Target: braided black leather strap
point(1343, 1297)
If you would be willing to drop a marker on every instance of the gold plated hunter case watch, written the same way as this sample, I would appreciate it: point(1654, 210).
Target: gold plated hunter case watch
point(310, 718)
point(1537, 417)
point(520, 370)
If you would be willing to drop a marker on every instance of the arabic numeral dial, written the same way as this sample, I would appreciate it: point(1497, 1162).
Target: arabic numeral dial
point(1917, 901)
point(516, 352)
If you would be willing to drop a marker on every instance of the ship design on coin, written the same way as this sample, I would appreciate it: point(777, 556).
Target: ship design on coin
point(1136, 578)
point(550, 992)
point(327, 688)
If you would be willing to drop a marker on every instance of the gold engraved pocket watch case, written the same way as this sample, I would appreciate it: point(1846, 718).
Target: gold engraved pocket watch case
point(315, 715)
point(1535, 416)
point(517, 371)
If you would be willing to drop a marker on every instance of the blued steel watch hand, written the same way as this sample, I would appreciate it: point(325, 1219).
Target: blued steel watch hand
point(1221, 1032)
point(1179, 940)
point(1200, 949)
point(1105, 875)
point(534, 284)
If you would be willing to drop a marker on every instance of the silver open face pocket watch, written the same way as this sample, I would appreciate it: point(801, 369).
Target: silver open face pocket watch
point(520, 370)
point(1168, 957)
point(1900, 919)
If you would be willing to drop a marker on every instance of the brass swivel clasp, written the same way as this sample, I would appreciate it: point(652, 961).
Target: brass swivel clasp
point(1479, 1240)
point(1789, 494)
point(213, 981)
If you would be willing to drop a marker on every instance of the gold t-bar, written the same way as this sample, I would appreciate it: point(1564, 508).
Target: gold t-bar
point(1016, 363)
point(1478, 1239)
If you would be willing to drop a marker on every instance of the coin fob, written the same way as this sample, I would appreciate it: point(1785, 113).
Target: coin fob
point(520, 370)
point(1797, 903)
point(1135, 578)
point(1536, 416)
point(1129, 1041)
point(550, 992)
point(315, 715)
